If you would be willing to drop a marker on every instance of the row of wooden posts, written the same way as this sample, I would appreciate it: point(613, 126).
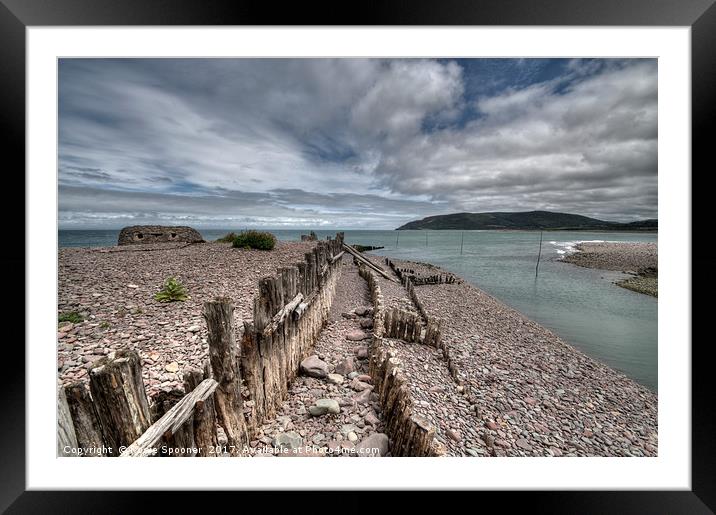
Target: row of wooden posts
point(243, 382)
point(410, 434)
point(400, 324)
point(409, 327)
point(408, 275)
point(434, 332)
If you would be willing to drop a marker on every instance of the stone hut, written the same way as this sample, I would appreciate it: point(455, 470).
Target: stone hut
point(144, 234)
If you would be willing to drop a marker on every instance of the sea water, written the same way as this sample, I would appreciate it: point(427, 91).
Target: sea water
point(611, 324)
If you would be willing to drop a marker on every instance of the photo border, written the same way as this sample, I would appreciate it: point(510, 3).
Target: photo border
point(700, 15)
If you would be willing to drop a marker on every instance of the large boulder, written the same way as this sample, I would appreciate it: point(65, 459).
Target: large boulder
point(313, 366)
point(148, 234)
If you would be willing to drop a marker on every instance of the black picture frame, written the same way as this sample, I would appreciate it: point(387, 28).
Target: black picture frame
point(17, 15)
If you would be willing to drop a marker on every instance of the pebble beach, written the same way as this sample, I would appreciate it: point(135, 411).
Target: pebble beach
point(639, 260)
point(113, 289)
point(520, 389)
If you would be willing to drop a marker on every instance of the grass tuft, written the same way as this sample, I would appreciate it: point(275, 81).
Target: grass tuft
point(255, 240)
point(71, 316)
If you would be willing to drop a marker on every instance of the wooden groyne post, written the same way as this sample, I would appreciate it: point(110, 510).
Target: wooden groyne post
point(223, 354)
point(84, 417)
point(120, 399)
point(204, 421)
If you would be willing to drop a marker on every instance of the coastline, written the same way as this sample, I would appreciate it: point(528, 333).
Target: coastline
point(510, 387)
point(535, 394)
point(639, 260)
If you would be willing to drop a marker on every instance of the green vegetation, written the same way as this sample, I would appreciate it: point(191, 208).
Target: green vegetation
point(528, 220)
point(254, 240)
point(71, 316)
point(104, 324)
point(172, 291)
point(228, 238)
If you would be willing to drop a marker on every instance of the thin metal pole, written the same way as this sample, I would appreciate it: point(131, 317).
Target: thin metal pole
point(462, 239)
point(539, 255)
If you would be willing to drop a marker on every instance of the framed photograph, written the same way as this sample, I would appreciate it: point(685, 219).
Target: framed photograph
point(430, 238)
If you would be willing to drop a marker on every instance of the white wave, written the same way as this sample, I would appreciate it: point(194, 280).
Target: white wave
point(570, 247)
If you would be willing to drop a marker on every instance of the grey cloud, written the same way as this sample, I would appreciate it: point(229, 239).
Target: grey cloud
point(83, 205)
point(350, 141)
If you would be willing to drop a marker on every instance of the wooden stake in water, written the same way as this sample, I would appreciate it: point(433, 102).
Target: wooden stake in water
point(426, 239)
point(462, 239)
point(397, 236)
point(539, 255)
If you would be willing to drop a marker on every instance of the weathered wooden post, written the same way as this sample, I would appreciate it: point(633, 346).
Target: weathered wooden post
point(84, 418)
point(291, 290)
point(66, 437)
point(180, 443)
point(539, 255)
point(225, 368)
point(204, 421)
point(120, 399)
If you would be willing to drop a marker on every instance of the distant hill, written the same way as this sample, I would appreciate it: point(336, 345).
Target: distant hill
point(527, 220)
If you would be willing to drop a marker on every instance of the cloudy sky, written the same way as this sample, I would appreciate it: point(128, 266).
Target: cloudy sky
point(349, 143)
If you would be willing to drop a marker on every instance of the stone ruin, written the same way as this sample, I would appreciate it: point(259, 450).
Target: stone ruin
point(147, 234)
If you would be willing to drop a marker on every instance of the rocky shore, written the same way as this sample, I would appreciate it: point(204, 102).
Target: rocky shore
point(512, 387)
point(112, 289)
point(525, 391)
point(336, 375)
point(639, 260)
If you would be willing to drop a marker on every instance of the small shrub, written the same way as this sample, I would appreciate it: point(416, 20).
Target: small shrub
point(71, 316)
point(228, 238)
point(255, 240)
point(172, 291)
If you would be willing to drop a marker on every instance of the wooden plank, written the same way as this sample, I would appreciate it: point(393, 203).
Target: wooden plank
point(300, 310)
point(180, 443)
point(282, 314)
point(368, 263)
point(337, 256)
point(363, 260)
point(171, 421)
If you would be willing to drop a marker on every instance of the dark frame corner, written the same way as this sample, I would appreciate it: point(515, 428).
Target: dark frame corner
point(700, 15)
